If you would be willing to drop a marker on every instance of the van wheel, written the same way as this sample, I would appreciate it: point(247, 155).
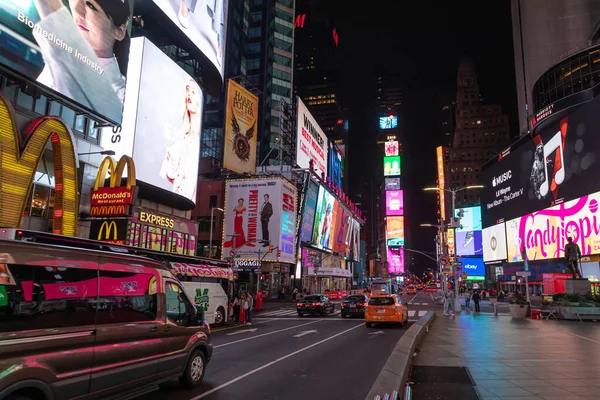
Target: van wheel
point(194, 371)
point(220, 316)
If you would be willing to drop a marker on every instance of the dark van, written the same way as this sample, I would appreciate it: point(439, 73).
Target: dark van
point(85, 324)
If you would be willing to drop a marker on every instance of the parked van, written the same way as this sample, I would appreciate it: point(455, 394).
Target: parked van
point(88, 324)
point(211, 298)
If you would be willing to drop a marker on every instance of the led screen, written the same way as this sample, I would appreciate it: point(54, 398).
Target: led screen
point(391, 166)
point(472, 266)
point(471, 219)
point(311, 142)
point(392, 183)
point(308, 214)
point(394, 202)
point(395, 259)
point(324, 219)
point(395, 231)
point(494, 243)
point(391, 148)
point(85, 60)
point(389, 122)
point(468, 237)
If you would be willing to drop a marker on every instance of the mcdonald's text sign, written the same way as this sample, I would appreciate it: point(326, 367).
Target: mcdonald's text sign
point(113, 200)
point(112, 196)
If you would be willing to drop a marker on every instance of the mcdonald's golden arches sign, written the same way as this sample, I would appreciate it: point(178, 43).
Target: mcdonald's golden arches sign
point(113, 200)
point(109, 230)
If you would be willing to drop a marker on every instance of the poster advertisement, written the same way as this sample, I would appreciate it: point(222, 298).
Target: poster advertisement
point(342, 225)
point(392, 183)
point(312, 143)
point(203, 22)
point(494, 243)
point(391, 166)
point(84, 60)
point(395, 231)
point(389, 122)
point(468, 243)
point(391, 148)
point(241, 126)
point(474, 267)
point(394, 202)
point(395, 259)
point(259, 213)
point(324, 219)
point(308, 214)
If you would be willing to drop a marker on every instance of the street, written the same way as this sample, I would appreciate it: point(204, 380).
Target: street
point(288, 357)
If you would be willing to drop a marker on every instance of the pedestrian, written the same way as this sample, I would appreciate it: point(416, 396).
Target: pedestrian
point(572, 256)
point(449, 309)
point(468, 299)
point(250, 301)
point(243, 308)
point(294, 294)
point(259, 300)
point(476, 299)
point(236, 309)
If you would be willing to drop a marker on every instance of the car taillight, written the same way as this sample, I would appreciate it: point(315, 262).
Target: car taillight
point(317, 304)
point(298, 304)
point(362, 304)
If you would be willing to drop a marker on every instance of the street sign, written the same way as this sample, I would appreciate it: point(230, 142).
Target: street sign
point(444, 260)
point(523, 273)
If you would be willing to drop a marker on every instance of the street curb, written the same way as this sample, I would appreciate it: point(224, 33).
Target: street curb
point(395, 372)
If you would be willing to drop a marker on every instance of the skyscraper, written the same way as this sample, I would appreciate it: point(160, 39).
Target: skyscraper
point(389, 92)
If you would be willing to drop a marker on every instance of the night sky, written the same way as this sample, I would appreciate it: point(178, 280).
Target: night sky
point(424, 41)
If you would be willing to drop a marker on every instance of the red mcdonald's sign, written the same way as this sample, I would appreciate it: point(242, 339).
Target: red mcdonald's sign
point(113, 200)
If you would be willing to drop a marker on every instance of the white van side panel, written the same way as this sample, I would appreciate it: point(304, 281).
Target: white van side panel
point(211, 296)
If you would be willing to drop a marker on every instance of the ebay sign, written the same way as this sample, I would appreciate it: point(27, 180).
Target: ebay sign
point(543, 234)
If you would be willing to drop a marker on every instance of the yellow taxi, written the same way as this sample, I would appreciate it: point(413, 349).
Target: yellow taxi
point(385, 309)
point(411, 290)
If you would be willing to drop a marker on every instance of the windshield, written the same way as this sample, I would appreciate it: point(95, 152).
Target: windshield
point(381, 301)
point(312, 298)
point(355, 298)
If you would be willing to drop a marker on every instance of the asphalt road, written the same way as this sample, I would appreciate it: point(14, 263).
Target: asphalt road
point(292, 359)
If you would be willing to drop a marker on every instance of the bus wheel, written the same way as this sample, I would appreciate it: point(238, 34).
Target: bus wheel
point(220, 316)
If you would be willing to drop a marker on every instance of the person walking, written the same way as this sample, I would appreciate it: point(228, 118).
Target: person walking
point(449, 303)
point(476, 299)
point(243, 308)
point(236, 310)
point(468, 299)
point(250, 301)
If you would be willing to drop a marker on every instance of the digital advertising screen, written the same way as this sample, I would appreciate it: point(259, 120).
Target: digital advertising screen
point(391, 166)
point(343, 222)
point(473, 266)
point(394, 202)
point(308, 214)
point(395, 259)
point(560, 163)
point(392, 183)
point(324, 217)
point(471, 219)
point(335, 165)
point(241, 127)
point(203, 22)
point(312, 143)
point(391, 148)
point(468, 243)
point(389, 122)
point(494, 243)
point(395, 231)
point(85, 60)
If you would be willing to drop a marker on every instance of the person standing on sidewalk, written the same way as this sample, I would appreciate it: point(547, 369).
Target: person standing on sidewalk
point(573, 255)
point(259, 300)
point(476, 299)
point(243, 308)
point(250, 301)
point(468, 299)
point(236, 310)
point(449, 303)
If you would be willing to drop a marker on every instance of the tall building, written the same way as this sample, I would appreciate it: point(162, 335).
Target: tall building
point(389, 92)
point(481, 132)
point(544, 33)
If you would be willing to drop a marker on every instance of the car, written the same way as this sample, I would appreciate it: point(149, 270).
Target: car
point(354, 305)
point(411, 290)
point(315, 304)
point(386, 309)
point(83, 323)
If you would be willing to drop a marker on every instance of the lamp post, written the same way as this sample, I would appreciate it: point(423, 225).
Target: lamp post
point(104, 153)
point(455, 223)
point(212, 212)
point(441, 276)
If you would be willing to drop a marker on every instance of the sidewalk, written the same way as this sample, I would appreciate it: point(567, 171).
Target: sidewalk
point(508, 359)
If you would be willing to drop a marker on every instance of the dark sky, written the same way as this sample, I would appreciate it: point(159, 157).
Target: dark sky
point(424, 41)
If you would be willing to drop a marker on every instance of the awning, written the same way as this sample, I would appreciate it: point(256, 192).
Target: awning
point(202, 271)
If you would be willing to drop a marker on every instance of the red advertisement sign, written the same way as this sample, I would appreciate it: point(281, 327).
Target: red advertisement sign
point(105, 196)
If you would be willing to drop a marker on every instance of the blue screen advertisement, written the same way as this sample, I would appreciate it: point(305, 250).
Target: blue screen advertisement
point(308, 214)
point(471, 219)
point(473, 266)
point(468, 243)
point(389, 122)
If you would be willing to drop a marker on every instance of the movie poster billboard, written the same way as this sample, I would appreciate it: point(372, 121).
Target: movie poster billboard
point(83, 59)
point(324, 218)
point(259, 213)
point(311, 142)
point(241, 126)
point(308, 214)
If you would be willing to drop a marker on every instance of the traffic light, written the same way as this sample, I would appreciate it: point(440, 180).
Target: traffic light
point(278, 253)
point(270, 248)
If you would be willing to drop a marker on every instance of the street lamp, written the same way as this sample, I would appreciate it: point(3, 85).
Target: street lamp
point(104, 153)
point(212, 212)
point(457, 307)
point(441, 276)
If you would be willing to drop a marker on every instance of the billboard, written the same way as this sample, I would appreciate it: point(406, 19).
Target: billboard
point(161, 123)
point(543, 234)
point(391, 166)
point(395, 231)
point(494, 243)
point(439, 152)
point(392, 183)
point(391, 148)
point(259, 213)
point(394, 202)
point(473, 266)
point(468, 243)
point(311, 142)
point(335, 165)
point(471, 219)
point(389, 122)
point(83, 59)
point(562, 163)
point(324, 219)
point(203, 23)
point(109, 230)
point(308, 213)
point(395, 259)
point(241, 125)
point(343, 226)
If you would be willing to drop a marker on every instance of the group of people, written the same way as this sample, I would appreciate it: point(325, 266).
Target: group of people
point(242, 305)
point(475, 295)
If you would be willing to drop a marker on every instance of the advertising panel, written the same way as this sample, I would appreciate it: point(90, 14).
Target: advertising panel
point(395, 259)
point(391, 166)
point(395, 231)
point(83, 59)
point(321, 237)
point(151, 230)
point(113, 200)
point(468, 243)
point(355, 240)
point(562, 163)
point(494, 243)
point(473, 266)
point(161, 123)
point(544, 234)
point(308, 214)
point(392, 183)
point(241, 125)
point(203, 23)
point(471, 219)
point(311, 142)
point(335, 166)
point(342, 225)
point(389, 122)
point(394, 202)
point(259, 213)
point(110, 231)
point(450, 241)
point(391, 148)
point(439, 151)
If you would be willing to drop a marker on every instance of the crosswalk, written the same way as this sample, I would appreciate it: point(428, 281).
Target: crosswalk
point(294, 313)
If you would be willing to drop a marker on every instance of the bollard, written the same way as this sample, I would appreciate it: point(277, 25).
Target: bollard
point(495, 309)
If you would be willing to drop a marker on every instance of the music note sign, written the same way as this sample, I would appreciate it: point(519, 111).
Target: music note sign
point(554, 144)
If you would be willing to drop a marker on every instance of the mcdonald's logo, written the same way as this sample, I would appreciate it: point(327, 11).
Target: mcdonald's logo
point(113, 195)
point(19, 162)
point(98, 211)
point(109, 231)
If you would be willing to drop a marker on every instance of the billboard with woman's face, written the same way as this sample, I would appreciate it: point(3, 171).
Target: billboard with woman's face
point(79, 48)
point(324, 218)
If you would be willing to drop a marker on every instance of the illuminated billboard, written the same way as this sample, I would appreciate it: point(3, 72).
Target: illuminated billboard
point(389, 122)
point(324, 219)
point(83, 59)
point(391, 166)
point(494, 243)
point(394, 202)
point(473, 266)
point(241, 127)
point(311, 142)
point(468, 237)
point(439, 151)
point(392, 183)
point(391, 148)
point(395, 231)
point(308, 213)
point(395, 259)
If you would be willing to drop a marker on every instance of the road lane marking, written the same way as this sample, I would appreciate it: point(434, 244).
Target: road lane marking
point(583, 337)
point(266, 334)
point(411, 313)
point(304, 333)
point(238, 326)
point(424, 304)
point(242, 331)
point(247, 374)
point(414, 297)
